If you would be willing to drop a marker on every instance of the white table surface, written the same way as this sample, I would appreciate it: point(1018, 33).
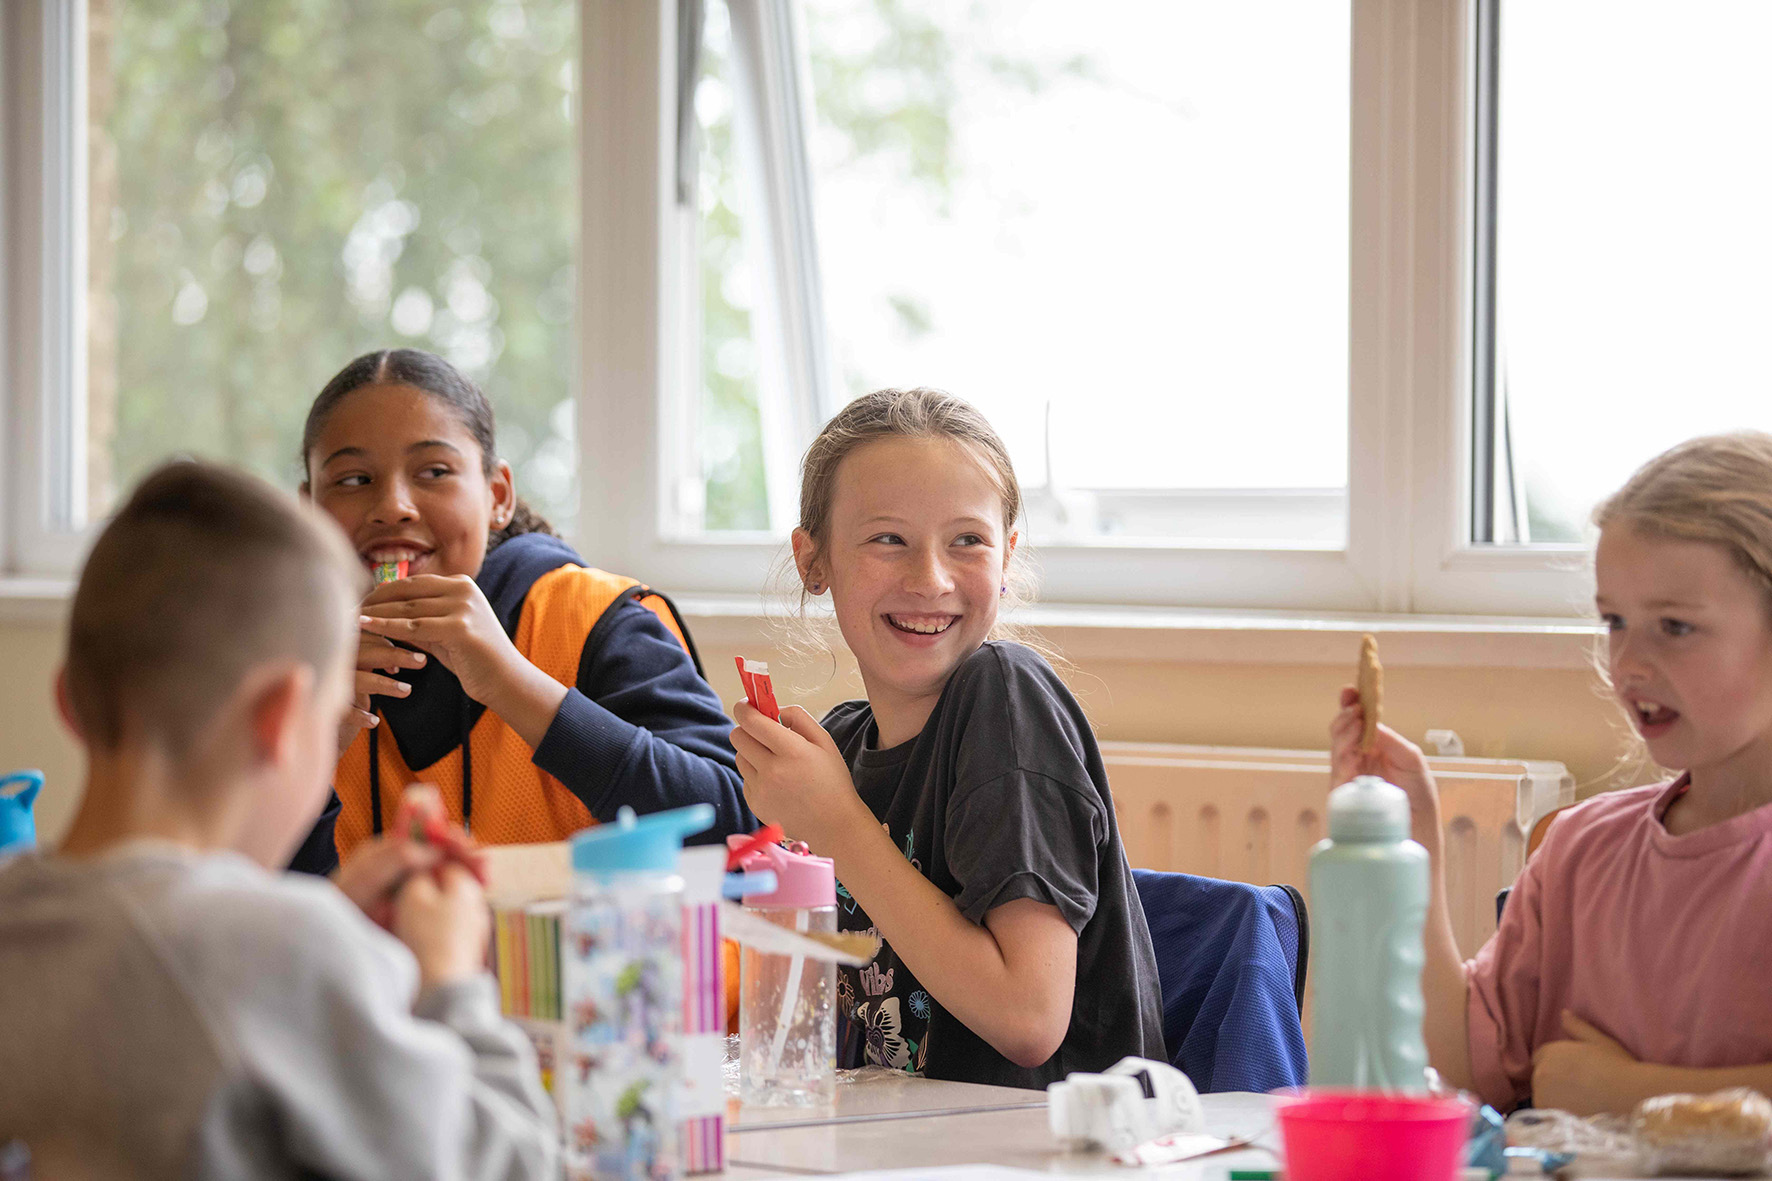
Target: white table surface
point(912, 1123)
point(887, 1095)
point(874, 1135)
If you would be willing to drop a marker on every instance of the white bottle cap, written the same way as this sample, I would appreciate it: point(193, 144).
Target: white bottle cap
point(1367, 808)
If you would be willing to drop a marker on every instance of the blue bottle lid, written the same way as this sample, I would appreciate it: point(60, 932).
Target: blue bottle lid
point(638, 844)
point(1367, 808)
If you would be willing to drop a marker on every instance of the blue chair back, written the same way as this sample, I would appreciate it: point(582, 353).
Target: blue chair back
point(1231, 964)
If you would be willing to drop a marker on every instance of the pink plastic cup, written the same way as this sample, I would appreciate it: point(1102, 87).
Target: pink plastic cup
point(1333, 1135)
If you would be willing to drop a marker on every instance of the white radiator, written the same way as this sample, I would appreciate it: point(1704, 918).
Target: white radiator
point(1251, 815)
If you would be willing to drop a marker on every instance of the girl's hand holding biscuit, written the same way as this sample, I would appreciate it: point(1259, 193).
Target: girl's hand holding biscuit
point(1389, 756)
point(795, 776)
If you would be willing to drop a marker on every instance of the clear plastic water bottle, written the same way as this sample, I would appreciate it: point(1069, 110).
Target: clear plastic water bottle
point(622, 975)
point(1369, 895)
point(787, 1004)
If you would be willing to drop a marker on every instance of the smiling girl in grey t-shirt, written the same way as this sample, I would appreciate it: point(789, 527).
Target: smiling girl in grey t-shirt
point(964, 801)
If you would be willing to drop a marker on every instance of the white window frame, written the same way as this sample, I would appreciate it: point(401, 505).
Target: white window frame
point(43, 325)
point(1409, 378)
point(1409, 391)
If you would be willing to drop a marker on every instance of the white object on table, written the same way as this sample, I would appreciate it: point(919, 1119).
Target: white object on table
point(1133, 1101)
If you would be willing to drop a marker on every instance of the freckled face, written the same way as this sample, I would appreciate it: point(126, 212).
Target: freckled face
point(401, 474)
point(1689, 647)
point(915, 560)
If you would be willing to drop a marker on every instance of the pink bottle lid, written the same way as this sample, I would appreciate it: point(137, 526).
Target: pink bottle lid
point(802, 881)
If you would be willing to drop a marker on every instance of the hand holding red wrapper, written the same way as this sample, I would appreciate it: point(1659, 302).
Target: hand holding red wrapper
point(421, 819)
point(758, 689)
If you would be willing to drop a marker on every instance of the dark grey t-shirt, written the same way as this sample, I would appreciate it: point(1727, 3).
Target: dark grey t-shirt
point(1002, 796)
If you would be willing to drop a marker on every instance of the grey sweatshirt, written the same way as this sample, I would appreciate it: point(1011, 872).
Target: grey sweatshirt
point(171, 1014)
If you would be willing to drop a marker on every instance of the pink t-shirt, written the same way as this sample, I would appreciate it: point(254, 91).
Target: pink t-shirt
point(1664, 942)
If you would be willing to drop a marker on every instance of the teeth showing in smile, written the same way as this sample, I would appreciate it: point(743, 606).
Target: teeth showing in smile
point(1651, 712)
point(392, 553)
point(922, 626)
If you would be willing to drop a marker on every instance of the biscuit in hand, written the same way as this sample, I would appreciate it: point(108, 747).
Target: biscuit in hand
point(1371, 685)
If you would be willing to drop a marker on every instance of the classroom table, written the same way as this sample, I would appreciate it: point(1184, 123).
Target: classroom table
point(886, 1095)
point(925, 1123)
point(913, 1123)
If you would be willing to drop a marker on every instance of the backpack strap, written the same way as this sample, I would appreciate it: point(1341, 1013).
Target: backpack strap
point(672, 618)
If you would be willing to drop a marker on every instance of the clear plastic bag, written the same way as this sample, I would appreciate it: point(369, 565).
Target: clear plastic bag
point(1723, 1133)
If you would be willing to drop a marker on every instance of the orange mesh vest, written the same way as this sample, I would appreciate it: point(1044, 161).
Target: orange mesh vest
point(515, 802)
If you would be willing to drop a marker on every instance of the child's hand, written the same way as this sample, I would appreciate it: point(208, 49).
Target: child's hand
point(795, 776)
point(375, 656)
point(377, 868)
point(443, 918)
point(1587, 1074)
point(448, 616)
point(423, 821)
point(1393, 758)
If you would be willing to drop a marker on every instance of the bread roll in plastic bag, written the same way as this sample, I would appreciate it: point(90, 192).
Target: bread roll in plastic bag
point(1724, 1133)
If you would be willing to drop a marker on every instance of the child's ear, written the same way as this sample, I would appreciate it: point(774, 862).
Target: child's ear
point(806, 560)
point(504, 494)
point(64, 704)
point(1009, 550)
point(275, 710)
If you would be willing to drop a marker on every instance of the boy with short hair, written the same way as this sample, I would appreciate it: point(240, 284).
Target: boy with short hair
point(172, 1008)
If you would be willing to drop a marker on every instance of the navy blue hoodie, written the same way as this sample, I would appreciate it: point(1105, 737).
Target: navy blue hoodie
point(640, 727)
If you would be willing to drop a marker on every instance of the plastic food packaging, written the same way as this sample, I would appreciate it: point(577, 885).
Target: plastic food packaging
point(759, 690)
point(1562, 1131)
point(1722, 1133)
point(390, 571)
point(1132, 1102)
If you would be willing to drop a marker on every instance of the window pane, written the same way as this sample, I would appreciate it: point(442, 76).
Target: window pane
point(731, 429)
point(1123, 237)
point(1633, 243)
point(280, 185)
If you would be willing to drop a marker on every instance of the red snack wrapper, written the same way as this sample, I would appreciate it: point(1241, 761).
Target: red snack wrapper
point(758, 688)
point(427, 826)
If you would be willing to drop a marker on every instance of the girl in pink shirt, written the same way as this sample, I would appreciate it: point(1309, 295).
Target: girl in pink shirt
point(1634, 957)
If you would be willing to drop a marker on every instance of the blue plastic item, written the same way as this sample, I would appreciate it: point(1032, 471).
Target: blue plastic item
point(639, 844)
point(1369, 894)
point(737, 885)
point(1228, 967)
point(1488, 1146)
point(18, 791)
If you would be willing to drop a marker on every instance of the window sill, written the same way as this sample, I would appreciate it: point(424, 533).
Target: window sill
point(1199, 636)
point(34, 600)
point(1146, 634)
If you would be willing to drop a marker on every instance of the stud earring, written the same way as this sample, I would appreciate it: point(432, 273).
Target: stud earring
point(1004, 590)
point(816, 588)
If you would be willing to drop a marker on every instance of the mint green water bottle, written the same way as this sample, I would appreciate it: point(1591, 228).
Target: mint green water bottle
point(1369, 893)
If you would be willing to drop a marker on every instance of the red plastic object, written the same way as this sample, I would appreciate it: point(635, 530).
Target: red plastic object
point(431, 828)
point(758, 689)
point(1335, 1135)
point(769, 834)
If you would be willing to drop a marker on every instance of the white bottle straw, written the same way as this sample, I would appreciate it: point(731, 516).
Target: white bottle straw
point(796, 966)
